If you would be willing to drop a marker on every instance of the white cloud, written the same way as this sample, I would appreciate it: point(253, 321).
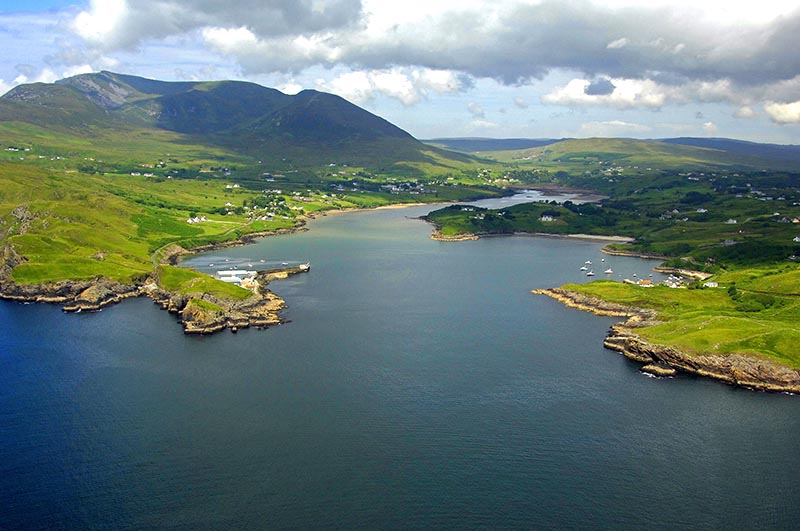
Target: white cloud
point(5, 87)
point(482, 125)
point(476, 110)
point(744, 112)
point(612, 128)
point(520, 103)
point(47, 75)
point(784, 113)
point(102, 21)
point(627, 93)
point(407, 86)
point(617, 44)
point(710, 128)
point(229, 40)
point(290, 87)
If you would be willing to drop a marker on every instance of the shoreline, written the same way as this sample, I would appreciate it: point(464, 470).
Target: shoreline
point(658, 360)
point(94, 294)
point(260, 310)
point(438, 236)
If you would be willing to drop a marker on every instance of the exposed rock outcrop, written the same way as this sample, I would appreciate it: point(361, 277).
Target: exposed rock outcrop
point(736, 369)
point(205, 314)
point(77, 295)
point(438, 236)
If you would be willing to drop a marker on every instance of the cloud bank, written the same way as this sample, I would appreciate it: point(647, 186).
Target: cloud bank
point(628, 55)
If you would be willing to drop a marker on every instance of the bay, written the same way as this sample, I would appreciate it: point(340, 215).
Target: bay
point(417, 385)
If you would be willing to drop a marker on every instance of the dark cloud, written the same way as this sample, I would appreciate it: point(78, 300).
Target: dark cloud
point(529, 41)
point(158, 19)
point(600, 87)
point(517, 44)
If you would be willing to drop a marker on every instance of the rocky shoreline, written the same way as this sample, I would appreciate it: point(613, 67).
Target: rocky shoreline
point(203, 314)
point(439, 237)
point(659, 360)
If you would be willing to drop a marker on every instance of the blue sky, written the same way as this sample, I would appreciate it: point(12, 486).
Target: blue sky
point(502, 68)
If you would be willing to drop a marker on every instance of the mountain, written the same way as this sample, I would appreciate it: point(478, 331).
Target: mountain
point(311, 127)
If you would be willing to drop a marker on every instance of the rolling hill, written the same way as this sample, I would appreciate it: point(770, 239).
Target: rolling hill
point(653, 153)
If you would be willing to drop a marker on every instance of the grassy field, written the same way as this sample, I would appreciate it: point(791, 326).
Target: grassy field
point(719, 320)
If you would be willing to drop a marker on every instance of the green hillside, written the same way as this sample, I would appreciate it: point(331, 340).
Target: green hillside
point(589, 153)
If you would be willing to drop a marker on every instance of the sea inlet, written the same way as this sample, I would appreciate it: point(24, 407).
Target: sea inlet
point(416, 385)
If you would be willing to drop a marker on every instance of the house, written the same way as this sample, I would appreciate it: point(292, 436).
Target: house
point(731, 221)
point(796, 239)
point(547, 218)
point(711, 285)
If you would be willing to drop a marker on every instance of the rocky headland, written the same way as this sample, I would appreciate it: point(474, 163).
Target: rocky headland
point(197, 313)
point(660, 360)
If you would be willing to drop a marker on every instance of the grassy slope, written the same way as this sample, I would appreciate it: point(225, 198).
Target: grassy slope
point(710, 321)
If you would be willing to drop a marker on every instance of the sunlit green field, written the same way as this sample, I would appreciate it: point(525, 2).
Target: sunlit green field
point(760, 319)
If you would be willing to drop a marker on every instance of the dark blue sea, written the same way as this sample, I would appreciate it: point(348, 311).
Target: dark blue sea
point(416, 385)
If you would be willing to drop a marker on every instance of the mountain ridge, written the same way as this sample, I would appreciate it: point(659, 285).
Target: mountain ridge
point(312, 126)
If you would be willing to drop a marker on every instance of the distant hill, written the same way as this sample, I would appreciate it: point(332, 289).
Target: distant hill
point(741, 147)
point(310, 128)
point(643, 153)
point(476, 145)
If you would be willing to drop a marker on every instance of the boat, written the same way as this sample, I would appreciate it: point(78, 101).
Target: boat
point(608, 271)
point(584, 268)
point(590, 274)
point(588, 262)
point(284, 264)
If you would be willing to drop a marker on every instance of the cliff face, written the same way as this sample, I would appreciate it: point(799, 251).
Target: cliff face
point(76, 295)
point(740, 370)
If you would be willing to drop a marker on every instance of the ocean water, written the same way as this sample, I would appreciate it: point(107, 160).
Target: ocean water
point(417, 385)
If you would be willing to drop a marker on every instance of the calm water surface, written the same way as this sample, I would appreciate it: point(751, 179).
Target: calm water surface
point(418, 385)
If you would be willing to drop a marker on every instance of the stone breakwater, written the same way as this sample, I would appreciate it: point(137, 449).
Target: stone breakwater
point(735, 369)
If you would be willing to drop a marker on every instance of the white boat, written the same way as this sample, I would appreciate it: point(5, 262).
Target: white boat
point(588, 262)
point(608, 271)
point(584, 268)
point(590, 274)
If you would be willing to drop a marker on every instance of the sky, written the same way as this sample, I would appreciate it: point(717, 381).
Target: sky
point(451, 68)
